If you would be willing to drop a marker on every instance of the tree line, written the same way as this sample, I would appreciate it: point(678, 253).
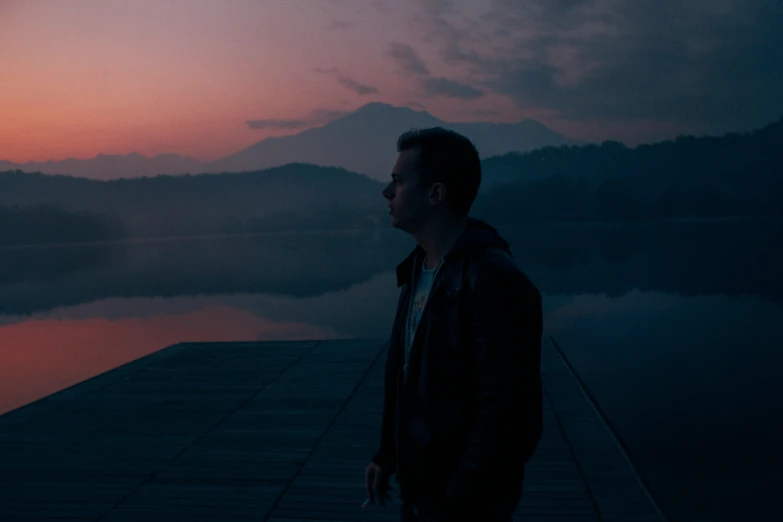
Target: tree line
point(735, 175)
point(46, 225)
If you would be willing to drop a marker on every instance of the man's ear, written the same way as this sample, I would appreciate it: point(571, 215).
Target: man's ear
point(437, 193)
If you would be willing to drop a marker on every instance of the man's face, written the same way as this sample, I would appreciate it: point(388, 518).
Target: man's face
point(409, 203)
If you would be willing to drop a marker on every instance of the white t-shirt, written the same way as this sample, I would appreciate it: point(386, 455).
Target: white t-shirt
point(421, 292)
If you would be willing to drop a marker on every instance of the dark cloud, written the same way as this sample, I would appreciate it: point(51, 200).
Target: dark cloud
point(355, 86)
point(316, 117)
point(411, 64)
point(349, 83)
point(415, 105)
point(438, 6)
point(714, 65)
point(449, 89)
point(408, 59)
point(482, 113)
point(276, 124)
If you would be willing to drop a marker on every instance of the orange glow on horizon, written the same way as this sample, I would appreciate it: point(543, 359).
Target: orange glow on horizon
point(184, 76)
point(177, 77)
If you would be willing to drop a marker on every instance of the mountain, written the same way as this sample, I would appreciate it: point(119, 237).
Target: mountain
point(111, 166)
point(735, 175)
point(206, 203)
point(364, 141)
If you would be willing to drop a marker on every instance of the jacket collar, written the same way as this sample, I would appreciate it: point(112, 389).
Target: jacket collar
point(405, 269)
point(477, 234)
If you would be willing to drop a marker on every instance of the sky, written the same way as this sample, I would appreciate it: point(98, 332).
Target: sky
point(207, 78)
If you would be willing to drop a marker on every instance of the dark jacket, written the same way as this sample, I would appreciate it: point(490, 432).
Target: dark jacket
point(468, 417)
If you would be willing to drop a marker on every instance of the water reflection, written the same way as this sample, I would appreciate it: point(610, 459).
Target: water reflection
point(41, 356)
point(692, 386)
point(701, 258)
point(690, 258)
point(674, 327)
point(293, 265)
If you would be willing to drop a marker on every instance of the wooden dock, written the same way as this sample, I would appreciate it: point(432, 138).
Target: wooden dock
point(270, 431)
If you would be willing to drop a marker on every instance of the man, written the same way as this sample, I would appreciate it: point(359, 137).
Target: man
point(462, 395)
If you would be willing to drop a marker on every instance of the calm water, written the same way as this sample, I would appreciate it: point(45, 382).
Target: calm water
point(675, 328)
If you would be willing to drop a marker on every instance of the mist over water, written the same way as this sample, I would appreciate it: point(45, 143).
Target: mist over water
point(674, 327)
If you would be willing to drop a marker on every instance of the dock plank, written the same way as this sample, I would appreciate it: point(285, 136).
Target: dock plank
point(271, 431)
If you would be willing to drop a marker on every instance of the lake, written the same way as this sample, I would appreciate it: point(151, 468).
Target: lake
point(675, 328)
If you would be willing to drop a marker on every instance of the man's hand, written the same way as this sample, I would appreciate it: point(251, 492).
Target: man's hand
point(376, 484)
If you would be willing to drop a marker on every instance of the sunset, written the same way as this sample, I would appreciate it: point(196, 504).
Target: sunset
point(204, 79)
point(186, 76)
point(415, 260)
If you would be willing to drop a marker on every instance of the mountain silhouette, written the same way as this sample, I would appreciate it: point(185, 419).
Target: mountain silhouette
point(362, 141)
point(736, 175)
point(168, 205)
point(111, 166)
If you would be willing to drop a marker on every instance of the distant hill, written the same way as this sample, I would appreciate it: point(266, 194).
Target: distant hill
point(108, 167)
point(205, 203)
point(690, 177)
point(362, 141)
point(736, 175)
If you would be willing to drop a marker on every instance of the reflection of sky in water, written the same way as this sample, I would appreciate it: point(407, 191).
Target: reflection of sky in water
point(42, 355)
point(48, 351)
point(676, 333)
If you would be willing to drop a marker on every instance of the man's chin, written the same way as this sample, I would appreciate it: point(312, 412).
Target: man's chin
point(399, 226)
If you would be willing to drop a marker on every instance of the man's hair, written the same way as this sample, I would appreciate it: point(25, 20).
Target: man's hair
point(449, 158)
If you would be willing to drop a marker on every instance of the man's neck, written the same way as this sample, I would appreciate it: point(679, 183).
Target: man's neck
point(438, 237)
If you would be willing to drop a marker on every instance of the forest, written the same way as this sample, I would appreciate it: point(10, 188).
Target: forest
point(735, 175)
